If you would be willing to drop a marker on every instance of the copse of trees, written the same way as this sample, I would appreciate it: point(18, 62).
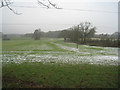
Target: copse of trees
point(84, 33)
point(81, 32)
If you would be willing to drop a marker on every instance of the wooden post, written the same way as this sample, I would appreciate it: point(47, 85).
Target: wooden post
point(77, 44)
point(77, 36)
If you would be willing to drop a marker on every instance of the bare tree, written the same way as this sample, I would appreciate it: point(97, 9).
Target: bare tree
point(86, 30)
point(46, 3)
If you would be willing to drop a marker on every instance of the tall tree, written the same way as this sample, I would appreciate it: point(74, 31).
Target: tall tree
point(36, 34)
point(87, 30)
point(76, 34)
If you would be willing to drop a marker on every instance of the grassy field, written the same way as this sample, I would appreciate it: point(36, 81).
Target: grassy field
point(56, 64)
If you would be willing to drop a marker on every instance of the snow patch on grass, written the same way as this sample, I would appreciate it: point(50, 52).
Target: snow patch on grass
point(70, 59)
point(103, 56)
point(67, 48)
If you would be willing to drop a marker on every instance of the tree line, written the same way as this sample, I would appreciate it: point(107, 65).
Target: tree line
point(83, 33)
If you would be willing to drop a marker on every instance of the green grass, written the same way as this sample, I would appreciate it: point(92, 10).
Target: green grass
point(47, 75)
point(55, 75)
point(25, 45)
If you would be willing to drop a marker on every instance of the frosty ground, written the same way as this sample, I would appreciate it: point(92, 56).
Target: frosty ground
point(66, 53)
point(43, 53)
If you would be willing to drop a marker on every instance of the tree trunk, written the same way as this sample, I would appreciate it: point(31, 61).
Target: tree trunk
point(64, 38)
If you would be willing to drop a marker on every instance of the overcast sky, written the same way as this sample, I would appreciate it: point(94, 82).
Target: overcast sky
point(103, 14)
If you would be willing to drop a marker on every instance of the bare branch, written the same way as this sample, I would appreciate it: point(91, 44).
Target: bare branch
point(4, 4)
point(47, 4)
point(53, 5)
point(39, 2)
point(7, 4)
